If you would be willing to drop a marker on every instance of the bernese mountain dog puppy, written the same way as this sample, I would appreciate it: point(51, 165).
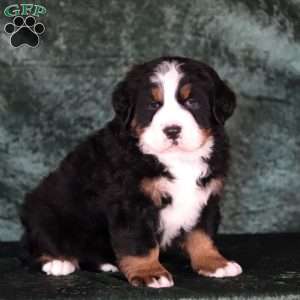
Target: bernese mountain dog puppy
point(151, 179)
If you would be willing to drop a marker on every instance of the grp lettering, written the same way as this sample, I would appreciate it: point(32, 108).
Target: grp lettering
point(24, 10)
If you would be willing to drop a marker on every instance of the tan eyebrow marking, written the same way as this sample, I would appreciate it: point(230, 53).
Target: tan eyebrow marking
point(185, 91)
point(157, 93)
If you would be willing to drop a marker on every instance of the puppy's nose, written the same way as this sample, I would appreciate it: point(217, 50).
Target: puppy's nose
point(172, 132)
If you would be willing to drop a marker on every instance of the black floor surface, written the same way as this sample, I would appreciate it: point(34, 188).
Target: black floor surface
point(271, 266)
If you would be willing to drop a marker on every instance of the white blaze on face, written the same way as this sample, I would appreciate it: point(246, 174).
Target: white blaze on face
point(153, 140)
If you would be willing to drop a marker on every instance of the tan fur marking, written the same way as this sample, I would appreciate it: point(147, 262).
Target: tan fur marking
point(157, 93)
point(207, 133)
point(143, 269)
point(137, 130)
point(155, 189)
point(185, 91)
point(216, 186)
point(203, 253)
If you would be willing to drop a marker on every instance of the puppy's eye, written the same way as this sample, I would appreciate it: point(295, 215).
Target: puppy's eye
point(192, 103)
point(154, 105)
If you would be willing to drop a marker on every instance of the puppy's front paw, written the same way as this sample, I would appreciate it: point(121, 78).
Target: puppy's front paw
point(230, 270)
point(146, 270)
point(155, 278)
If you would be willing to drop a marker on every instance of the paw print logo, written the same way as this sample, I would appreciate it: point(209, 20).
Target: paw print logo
point(24, 31)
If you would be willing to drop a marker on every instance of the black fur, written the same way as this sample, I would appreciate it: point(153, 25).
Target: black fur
point(91, 207)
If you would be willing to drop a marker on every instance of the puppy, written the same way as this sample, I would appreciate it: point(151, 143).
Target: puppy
point(149, 180)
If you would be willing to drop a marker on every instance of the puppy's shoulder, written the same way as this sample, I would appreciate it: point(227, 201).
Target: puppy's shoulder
point(94, 147)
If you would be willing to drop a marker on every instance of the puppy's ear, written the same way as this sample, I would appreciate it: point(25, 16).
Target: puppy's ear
point(224, 102)
point(123, 103)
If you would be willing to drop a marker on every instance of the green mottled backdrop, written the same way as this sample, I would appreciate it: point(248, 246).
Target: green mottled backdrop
point(53, 96)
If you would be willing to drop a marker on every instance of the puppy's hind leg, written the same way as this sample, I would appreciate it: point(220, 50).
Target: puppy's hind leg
point(58, 266)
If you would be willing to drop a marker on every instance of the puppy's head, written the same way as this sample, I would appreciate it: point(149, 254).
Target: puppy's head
point(172, 104)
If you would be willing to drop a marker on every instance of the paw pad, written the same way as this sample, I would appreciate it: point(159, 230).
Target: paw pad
point(24, 31)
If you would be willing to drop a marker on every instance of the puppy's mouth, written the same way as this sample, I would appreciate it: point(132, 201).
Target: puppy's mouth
point(177, 145)
point(170, 146)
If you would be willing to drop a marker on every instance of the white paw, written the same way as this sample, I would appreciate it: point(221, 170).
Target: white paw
point(58, 267)
point(108, 268)
point(231, 269)
point(162, 282)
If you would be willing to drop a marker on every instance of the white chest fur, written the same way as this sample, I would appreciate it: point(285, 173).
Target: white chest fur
point(188, 199)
